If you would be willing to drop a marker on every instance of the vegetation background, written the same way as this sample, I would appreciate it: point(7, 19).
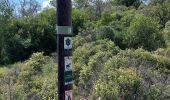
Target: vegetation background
point(121, 50)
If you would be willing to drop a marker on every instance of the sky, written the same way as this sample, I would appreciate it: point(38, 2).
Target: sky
point(44, 3)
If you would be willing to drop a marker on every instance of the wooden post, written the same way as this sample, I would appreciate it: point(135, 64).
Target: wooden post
point(64, 49)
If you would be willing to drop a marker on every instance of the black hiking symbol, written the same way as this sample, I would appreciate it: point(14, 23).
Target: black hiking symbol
point(68, 66)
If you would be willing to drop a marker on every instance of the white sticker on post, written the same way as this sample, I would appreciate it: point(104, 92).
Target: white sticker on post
point(68, 63)
point(68, 95)
point(67, 43)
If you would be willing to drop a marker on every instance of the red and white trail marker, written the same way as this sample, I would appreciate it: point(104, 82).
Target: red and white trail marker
point(68, 95)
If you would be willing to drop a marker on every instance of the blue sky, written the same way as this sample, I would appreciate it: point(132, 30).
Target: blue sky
point(44, 3)
point(41, 1)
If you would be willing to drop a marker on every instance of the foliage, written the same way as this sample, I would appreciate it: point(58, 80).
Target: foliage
point(79, 20)
point(114, 26)
point(108, 63)
point(144, 32)
point(86, 36)
point(159, 9)
point(117, 84)
point(167, 33)
point(27, 35)
point(35, 78)
point(128, 3)
point(114, 32)
point(92, 6)
point(132, 74)
point(5, 16)
point(83, 53)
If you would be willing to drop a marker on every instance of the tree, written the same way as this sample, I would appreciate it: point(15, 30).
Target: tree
point(159, 10)
point(6, 8)
point(94, 6)
point(135, 3)
point(80, 19)
point(9, 40)
point(81, 3)
point(98, 7)
point(32, 34)
point(144, 32)
point(28, 7)
point(26, 35)
point(6, 13)
point(167, 33)
point(154, 2)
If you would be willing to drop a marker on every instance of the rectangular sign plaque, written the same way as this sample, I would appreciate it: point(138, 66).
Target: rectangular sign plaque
point(68, 95)
point(68, 63)
point(68, 77)
point(64, 30)
point(68, 43)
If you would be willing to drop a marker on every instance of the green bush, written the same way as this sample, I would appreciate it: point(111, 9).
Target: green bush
point(80, 19)
point(128, 74)
point(36, 77)
point(90, 73)
point(27, 35)
point(122, 83)
point(167, 33)
point(144, 32)
point(86, 36)
point(135, 3)
point(163, 51)
point(114, 32)
point(89, 60)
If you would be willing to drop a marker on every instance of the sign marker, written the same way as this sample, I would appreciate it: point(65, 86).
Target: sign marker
point(68, 63)
point(67, 43)
point(68, 95)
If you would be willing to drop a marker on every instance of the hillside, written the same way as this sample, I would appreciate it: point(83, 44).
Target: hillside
point(104, 72)
point(121, 50)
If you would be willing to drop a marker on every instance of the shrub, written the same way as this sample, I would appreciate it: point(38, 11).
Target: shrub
point(36, 77)
point(167, 33)
point(121, 83)
point(90, 58)
point(144, 32)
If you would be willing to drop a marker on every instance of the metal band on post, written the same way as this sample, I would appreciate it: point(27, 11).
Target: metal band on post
point(66, 30)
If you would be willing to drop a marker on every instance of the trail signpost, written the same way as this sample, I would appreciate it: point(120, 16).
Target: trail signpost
point(64, 49)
